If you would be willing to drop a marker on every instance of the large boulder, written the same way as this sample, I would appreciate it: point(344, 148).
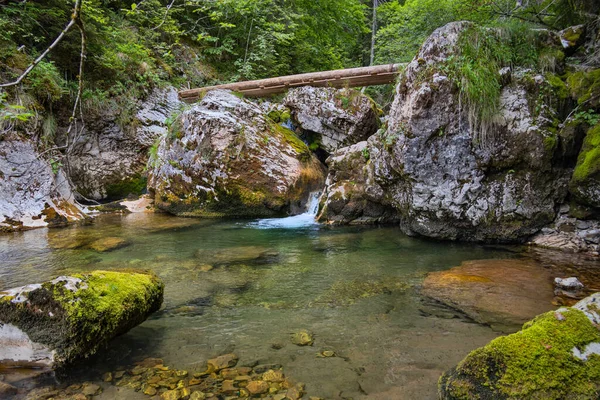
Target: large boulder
point(56, 322)
point(554, 356)
point(351, 194)
point(454, 174)
point(333, 118)
point(33, 193)
point(225, 157)
point(109, 157)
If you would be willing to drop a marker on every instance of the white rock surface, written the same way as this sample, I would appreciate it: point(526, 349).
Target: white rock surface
point(32, 195)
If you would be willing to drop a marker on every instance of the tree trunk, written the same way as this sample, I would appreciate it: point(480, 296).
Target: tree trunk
point(352, 77)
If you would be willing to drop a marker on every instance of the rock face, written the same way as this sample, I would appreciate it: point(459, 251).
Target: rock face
point(554, 356)
point(452, 178)
point(352, 196)
point(32, 194)
point(225, 157)
point(110, 156)
point(500, 293)
point(337, 117)
point(53, 323)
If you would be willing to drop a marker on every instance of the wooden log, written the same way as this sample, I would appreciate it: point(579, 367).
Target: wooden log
point(351, 77)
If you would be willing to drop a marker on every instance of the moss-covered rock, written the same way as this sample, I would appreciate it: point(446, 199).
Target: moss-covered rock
point(53, 323)
point(554, 356)
point(230, 159)
point(585, 87)
point(585, 182)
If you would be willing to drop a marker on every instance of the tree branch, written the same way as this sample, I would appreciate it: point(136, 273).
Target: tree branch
point(74, 18)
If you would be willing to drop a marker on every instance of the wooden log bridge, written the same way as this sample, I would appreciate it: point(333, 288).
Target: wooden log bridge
point(351, 77)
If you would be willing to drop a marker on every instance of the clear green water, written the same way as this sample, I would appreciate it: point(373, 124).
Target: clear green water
point(392, 344)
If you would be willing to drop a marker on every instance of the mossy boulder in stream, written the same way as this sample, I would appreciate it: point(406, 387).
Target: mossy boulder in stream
point(554, 356)
point(53, 323)
point(224, 157)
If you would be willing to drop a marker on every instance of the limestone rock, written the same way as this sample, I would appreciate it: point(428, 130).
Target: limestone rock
point(53, 323)
point(32, 195)
point(501, 293)
point(225, 157)
point(569, 234)
point(352, 196)
point(110, 156)
point(339, 117)
point(451, 177)
point(568, 283)
point(108, 244)
point(554, 356)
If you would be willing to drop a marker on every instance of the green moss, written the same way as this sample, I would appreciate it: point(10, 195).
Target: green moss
point(535, 363)
point(588, 163)
point(109, 299)
point(119, 190)
point(304, 153)
point(76, 323)
point(584, 86)
point(559, 87)
point(278, 116)
point(550, 143)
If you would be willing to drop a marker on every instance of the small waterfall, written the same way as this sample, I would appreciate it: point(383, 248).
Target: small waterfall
point(306, 219)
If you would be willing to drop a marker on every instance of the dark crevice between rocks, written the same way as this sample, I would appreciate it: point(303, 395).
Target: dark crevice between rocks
point(313, 141)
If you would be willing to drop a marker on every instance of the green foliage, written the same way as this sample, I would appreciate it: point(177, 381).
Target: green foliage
point(589, 117)
point(482, 53)
point(45, 82)
point(406, 24)
point(12, 112)
point(56, 165)
point(366, 154)
point(254, 39)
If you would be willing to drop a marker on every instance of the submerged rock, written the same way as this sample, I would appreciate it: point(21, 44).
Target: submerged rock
point(336, 117)
point(236, 255)
point(53, 323)
point(303, 338)
point(108, 244)
point(501, 293)
point(225, 157)
point(554, 356)
point(33, 194)
point(344, 293)
point(221, 362)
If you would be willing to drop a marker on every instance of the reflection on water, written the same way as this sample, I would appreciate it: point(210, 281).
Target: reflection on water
point(233, 288)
